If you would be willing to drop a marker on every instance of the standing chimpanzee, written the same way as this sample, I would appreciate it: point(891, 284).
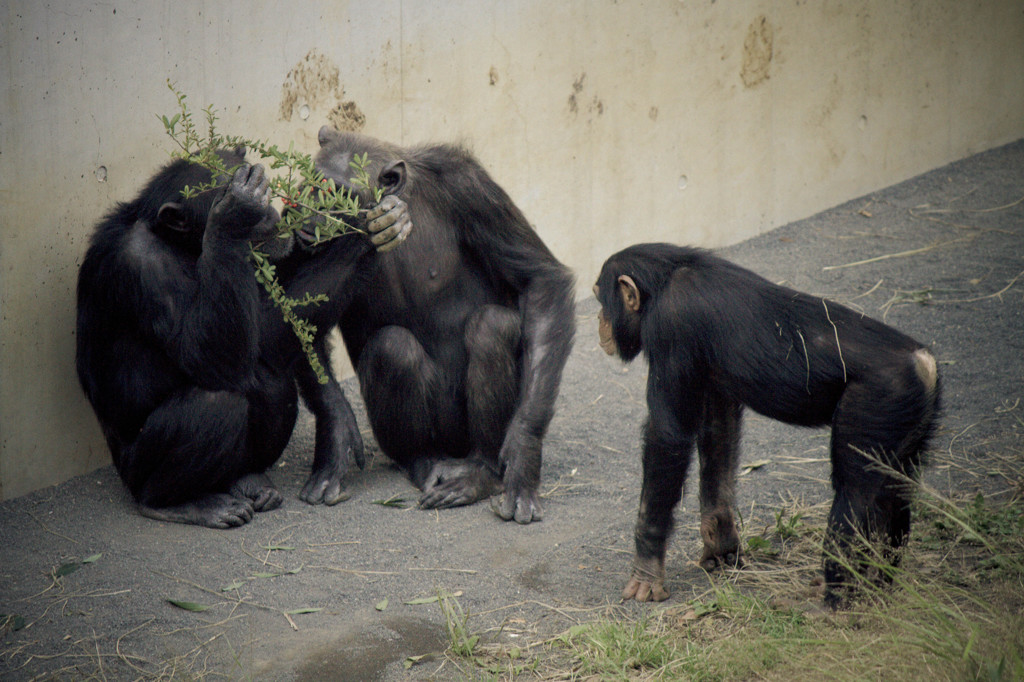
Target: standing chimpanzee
point(458, 338)
point(189, 367)
point(718, 337)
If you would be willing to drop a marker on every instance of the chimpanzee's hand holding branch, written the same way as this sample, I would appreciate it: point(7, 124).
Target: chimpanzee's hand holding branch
point(239, 212)
point(318, 208)
point(389, 223)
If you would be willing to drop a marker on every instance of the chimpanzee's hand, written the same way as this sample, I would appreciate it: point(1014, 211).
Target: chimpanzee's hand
point(521, 456)
point(240, 212)
point(388, 223)
point(519, 504)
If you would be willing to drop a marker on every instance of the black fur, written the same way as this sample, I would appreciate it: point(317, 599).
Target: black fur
point(719, 337)
point(459, 337)
point(189, 367)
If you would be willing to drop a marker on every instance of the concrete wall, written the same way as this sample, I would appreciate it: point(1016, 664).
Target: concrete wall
point(608, 122)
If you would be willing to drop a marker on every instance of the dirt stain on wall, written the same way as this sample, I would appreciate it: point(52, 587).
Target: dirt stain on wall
point(315, 83)
point(596, 105)
point(757, 52)
point(347, 116)
point(577, 88)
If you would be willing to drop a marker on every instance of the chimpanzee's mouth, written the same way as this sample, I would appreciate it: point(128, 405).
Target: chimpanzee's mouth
point(307, 235)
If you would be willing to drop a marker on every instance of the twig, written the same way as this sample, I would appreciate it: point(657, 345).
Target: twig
point(362, 574)
point(48, 530)
point(982, 298)
point(807, 359)
point(973, 210)
point(869, 291)
point(125, 657)
point(836, 331)
point(901, 254)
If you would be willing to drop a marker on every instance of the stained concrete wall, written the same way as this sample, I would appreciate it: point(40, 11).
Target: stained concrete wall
point(608, 122)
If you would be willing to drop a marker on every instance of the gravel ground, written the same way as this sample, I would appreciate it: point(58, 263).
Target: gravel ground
point(940, 256)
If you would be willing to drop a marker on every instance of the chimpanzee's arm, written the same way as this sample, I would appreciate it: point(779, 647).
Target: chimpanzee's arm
point(669, 433)
point(500, 238)
point(338, 272)
point(205, 314)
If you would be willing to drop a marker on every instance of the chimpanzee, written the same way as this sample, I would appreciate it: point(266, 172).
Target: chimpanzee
point(718, 337)
point(459, 337)
point(189, 367)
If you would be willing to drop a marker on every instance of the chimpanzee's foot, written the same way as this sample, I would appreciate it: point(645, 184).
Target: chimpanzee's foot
point(721, 541)
point(259, 491)
point(647, 581)
point(457, 482)
point(213, 511)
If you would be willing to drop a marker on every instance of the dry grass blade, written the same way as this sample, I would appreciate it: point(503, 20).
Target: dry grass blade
point(901, 254)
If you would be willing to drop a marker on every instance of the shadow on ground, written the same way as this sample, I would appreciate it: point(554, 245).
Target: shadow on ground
point(311, 593)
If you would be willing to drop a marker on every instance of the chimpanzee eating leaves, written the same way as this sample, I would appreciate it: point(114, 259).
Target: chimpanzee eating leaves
point(189, 366)
point(718, 337)
point(459, 337)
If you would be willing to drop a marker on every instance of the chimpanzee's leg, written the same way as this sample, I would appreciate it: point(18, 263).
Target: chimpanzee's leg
point(492, 376)
point(492, 337)
point(186, 457)
point(403, 389)
point(870, 429)
point(273, 407)
point(718, 446)
point(668, 446)
point(337, 434)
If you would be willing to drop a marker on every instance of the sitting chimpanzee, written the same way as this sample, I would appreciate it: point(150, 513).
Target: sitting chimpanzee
point(189, 367)
point(718, 337)
point(459, 337)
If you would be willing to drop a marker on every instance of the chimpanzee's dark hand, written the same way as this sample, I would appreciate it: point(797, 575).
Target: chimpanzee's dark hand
point(388, 223)
point(517, 503)
point(520, 501)
point(241, 210)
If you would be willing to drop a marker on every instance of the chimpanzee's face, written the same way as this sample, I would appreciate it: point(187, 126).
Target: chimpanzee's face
point(605, 338)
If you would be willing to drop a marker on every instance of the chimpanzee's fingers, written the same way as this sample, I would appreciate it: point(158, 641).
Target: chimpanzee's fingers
point(392, 235)
point(386, 204)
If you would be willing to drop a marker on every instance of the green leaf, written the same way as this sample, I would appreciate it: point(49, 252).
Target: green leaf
point(382, 604)
point(413, 660)
point(307, 609)
point(233, 586)
point(395, 501)
point(91, 559)
point(188, 605)
point(747, 468)
point(67, 569)
point(277, 574)
point(422, 600)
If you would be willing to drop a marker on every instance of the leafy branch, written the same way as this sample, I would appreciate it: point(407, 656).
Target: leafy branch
point(312, 201)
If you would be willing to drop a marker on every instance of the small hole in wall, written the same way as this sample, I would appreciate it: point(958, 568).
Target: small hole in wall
point(862, 122)
point(683, 182)
point(304, 112)
point(101, 174)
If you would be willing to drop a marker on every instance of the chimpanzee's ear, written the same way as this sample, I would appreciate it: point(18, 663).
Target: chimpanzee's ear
point(326, 135)
point(630, 294)
point(392, 177)
point(172, 216)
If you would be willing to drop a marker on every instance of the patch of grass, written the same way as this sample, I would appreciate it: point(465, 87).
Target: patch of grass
point(954, 609)
point(617, 650)
point(461, 642)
